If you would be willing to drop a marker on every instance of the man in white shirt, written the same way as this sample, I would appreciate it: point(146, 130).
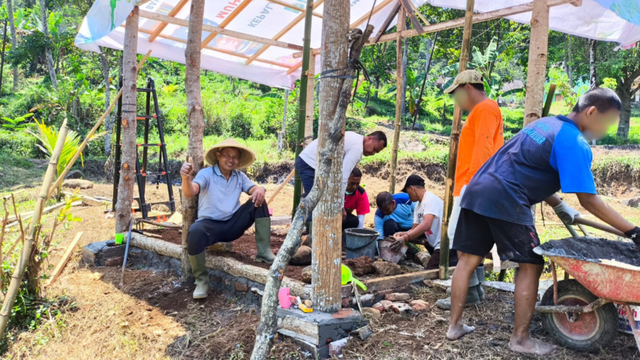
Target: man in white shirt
point(355, 146)
point(426, 221)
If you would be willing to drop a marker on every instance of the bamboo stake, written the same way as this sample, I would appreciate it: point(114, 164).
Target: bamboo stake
point(453, 148)
point(399, 99)
point(284, 183)
point(64, 260)
point(90, 134)
point(18, 273)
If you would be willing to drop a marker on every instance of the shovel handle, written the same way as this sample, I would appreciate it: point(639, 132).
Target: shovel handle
point(599, 226)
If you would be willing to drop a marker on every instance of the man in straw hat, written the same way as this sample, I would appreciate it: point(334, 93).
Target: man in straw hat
point(221, 218)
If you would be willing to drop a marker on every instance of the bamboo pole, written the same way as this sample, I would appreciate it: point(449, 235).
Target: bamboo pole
point(302, 106)
point(310, 111)
point(90, 134)
point(453, 148)
point(195, 150)
point(399, 99)
point(537, 70)
point(18, 273)
point(65, 258)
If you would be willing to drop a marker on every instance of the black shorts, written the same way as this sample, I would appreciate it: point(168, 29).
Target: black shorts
point(476, 234)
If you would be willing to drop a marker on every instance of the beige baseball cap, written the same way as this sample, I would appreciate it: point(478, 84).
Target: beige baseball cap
point(465, 77)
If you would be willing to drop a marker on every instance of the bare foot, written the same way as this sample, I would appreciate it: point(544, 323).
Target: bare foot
point(455, 332)
point(531, 346)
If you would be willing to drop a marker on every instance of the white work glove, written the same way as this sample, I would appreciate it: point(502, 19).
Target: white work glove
point(566, 213)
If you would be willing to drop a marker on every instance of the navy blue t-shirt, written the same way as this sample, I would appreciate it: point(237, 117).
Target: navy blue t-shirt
point(548, 155)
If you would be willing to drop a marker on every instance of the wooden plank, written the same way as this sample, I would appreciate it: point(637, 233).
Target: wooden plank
point(387, 22)
point(65, 259)
point(477, 18)
point(408, 8)
point(163, 25)
point(226, 22)
point(293, 7)
point(282, 32)
point(219, 30)
point(391, 282)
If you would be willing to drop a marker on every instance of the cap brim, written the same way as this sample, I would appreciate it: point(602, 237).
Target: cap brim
point(451, 88)
point(404, 189)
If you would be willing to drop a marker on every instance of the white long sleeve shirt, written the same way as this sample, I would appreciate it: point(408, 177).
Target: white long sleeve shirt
point(353, 150)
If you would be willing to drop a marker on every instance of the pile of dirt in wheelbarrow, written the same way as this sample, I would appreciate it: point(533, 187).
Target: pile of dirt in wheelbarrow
point(592, 249)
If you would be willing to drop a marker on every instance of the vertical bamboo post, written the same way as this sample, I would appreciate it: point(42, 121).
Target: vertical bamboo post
point(327, 217)
point(453, 148)
point(399, 99)
point(536, 73)
point(302, 106)
point(311, 85)
point(18, 273)
point(195, 113)
point(129, 97)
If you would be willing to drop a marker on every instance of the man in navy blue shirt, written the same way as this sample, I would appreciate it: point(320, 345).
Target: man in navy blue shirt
point(548, 155)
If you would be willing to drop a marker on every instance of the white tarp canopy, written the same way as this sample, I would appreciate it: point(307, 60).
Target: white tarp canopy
point(283, 21)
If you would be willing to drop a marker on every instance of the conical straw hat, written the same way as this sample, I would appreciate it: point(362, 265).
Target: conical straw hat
point(247, 157)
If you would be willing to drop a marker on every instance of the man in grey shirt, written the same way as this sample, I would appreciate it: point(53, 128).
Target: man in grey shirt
point(221, 218)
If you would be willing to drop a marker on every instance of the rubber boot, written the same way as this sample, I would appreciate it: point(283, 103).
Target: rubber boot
point(263, 240)
point(472, 294)
point(201, 273)
point(480, 276)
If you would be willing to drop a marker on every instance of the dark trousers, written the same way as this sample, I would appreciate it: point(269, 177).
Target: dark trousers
point(391, 227)
point(350, 222)
point(307, 175)
point(206, 232)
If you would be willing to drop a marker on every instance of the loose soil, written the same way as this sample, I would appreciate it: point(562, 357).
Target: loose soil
point(594, 250)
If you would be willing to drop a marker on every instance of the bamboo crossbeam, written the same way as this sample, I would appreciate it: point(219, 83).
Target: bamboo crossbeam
point(220, 31)
point(294, 7)
point(282, 32)
point(477, 18)
point(90, 134)
point(226, 22)
point(163, 25)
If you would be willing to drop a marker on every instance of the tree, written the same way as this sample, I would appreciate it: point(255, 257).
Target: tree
point(14, 43)
point(48, 53)
point(624, 66)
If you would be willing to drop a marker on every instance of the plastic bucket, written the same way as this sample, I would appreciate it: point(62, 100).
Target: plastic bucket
point(360, 242)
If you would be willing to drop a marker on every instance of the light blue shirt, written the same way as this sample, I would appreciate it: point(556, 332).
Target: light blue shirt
point(220, 198)
point(403, 214)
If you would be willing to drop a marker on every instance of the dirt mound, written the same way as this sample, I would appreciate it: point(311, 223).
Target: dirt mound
point(406, 167)
point(593, 250)
point(271, 173)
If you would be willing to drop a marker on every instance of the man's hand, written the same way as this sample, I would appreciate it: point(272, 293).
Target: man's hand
point(186, 170)
point(634, 235)
point(258, 196)
point(344, 214)
point(566, 213)
point(398, 241)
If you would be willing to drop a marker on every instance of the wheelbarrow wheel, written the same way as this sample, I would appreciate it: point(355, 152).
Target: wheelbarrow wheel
point(585, 332)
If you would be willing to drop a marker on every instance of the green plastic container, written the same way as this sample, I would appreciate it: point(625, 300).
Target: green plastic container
point(119, 239)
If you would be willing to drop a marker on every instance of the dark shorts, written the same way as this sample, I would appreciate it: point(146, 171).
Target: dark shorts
point(307, 175)
point(476, 234)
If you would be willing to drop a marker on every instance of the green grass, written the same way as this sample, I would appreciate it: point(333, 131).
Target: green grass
point(17, 171)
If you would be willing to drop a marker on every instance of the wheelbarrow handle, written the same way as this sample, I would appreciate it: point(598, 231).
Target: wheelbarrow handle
point(596, 225)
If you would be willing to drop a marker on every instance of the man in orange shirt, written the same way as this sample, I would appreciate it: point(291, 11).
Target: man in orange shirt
point(480, 138)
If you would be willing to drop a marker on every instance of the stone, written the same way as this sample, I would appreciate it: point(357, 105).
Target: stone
point(633, 202)
point(335, 347)
point(306, 275)
point(397, 297)
point(74, 174)
point(386, 268)
point(281, 231)
point(242, 287)
point(363, 333)
point(399, 307)
point(367, 300)
point(423, 258)
point(117, 261)
point(78, 184)
point(419, 305)
point(371, 313)
point(362, 265)
point(306, 241)
point(383, 305)
point(221, 247)
point(302, 256)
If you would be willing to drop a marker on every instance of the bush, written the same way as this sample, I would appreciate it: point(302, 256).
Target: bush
point(19, 144)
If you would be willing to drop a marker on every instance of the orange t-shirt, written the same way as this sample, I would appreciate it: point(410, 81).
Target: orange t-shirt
point(480, 138)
